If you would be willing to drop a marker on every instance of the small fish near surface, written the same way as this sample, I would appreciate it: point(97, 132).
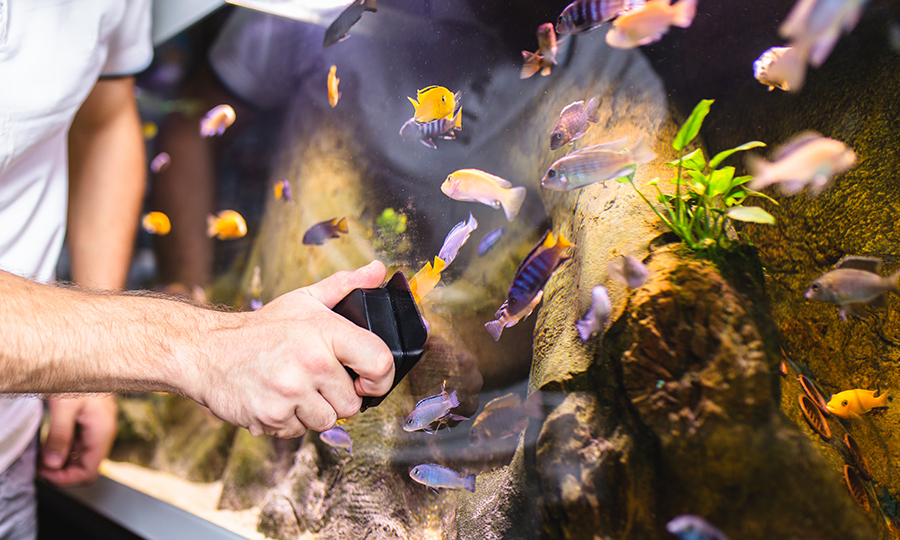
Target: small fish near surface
point(282, 191)
point(649, 23)
point(574, 121)
point(455, 239)
point(597, 163)
point(426, 279)
point(854, 280)
point(337, 438)
point(534, 272)
point(473, 185)
point(504, 417)
point(688, 527)
point(321, 232)
point(433, 410)
point(629, 271)
point(595, 319)
point(333, 94)
point(490, 240)
point(337, 30)
point(545, 57)
point(855, 403)
point(437, 476)
point(156, 223)
point(217, 120)
point(505, 320)
point(814, 26)
point(807, 160)
point(433, 103)
point(160, 163)
point(227, 225)
point(583, 15)
point(780, 67)
point(444, 128)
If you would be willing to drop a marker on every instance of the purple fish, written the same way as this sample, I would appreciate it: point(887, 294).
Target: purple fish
point(283, 191)
point(573, 123)
point(255, 303)
point(490, 240)
point(595, 319)
point(688, 527)
point(160, 163)
point(444, 128)
point(433, 409)
point(458, 236)
point(337, 437)
point(629, 271)
point(583, 15)
point(436, 476)
point(320, 232)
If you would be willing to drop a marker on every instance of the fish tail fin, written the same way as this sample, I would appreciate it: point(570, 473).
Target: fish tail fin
point(439, 265)
point(759, 170)
point(593, 109)
point(369, 5)
point(494, 328)
point(545, 71)
point(457, 120)
point(454, 400)
point(642, 153)
point(212, 225)
point(513, 202)
point(469, 482)
point(342, 225)
point(584, 329)
point(531, 66)
point(685, 10)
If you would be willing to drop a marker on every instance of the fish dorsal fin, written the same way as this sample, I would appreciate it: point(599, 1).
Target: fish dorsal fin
point(509, 400)
point(414, 102)
point(502, 182)
point(571, 108)
point(342, 225)
point(794, 144)
point(425, 90)
point(613, 146)
point(564, 242)
point(531, 255)
point(438, 267)
point(549, 241)
point(868, 264)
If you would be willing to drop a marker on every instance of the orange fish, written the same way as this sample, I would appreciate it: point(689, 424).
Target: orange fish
point(226, 226)
point(333, 81)
point(426, 279)
point(217, 120)
point(156, 223)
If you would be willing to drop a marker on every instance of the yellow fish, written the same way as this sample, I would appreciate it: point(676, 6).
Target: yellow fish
point(156, 223)
point(426, 279)
point(150, 130)
point(226, 226)
point(433, 103)
point(333, 81)
point(853, 403)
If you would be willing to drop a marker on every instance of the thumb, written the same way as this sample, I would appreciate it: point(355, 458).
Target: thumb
point(59, 439)
point(334, 288)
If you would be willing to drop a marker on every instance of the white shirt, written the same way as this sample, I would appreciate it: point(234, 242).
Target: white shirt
point(51, 54)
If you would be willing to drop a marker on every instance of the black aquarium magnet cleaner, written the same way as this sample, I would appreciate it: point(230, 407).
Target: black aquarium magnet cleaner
point(390, 312)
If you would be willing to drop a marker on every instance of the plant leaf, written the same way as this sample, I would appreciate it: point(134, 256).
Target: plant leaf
point(720, 181)
point(699, 181)
point(753, 214)
point(694, 161)
point(721, 156)
point(691, 126)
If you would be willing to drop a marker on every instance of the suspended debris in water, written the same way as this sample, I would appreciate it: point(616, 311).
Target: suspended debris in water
point(436, 476)
point(156, 223)
point(814, 417)
point(647, 24)
point(813, 393)
point(337, 30)
point(319, 233)
point(160, 163)
point(226, 226)
point(473, 185)
point(544, 57)
point(855, 403)
point(434, 103)
point(856, 487)
point(333, 94)
point(217, 120)
point(574, 121)
point(858, 458)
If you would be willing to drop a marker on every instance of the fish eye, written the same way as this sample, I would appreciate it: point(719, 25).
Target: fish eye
point(844, 403)
point(409, 421)
point(551, 173)
point(815, 286)
point(513, 300)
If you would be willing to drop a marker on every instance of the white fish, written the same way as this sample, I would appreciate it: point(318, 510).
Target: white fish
point(780, 67)
point(597, 163)
point(814, 26)
point(479, 186)
point(595, 319)
point(647, 24)
point(217, 120)
point(806, 160)
point(505, 320)
point(456, 238)
point(688, 527)
point(629, 271)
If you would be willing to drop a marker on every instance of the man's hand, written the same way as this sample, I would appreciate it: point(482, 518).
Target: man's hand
point(82, 430)
point(282, 370)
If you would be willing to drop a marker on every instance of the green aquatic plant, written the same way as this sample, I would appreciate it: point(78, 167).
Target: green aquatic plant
point(389, 231)
point(700, 214)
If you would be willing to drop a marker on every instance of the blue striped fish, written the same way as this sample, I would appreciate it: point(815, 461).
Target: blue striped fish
point(425, 132)
point(534, 272)
point(436, 476)
point(583, 15)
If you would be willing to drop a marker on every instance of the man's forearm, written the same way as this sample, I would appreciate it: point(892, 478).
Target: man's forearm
point(59, 340)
